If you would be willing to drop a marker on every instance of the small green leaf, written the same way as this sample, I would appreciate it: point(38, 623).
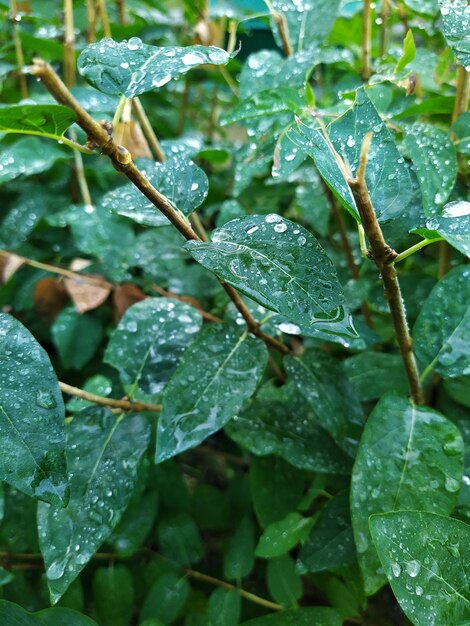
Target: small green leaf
point(280, 265)
point(409, 52)
point(224, 608)
point(178, 178)
point(428, 7)
point(265, 104)
point(13, 615)
point(26, 157)
point(31, 417)
point(456, 28)
point(453, 223)
point(131, 68)
point(435, 162)
point(135, 525)
point(330, 543)
point(421, 454)
point(323, 383)
point(280, 537)
point(49, 120)
point(276, 488)
point(179, 539)
point(218, 372)
point(76, 336)
point(113, 594)
point(426, 558)
point(320, 616)
point(149, 342)
point(103, 452)
point(239, 557)
point(166, 598)
point(284, 583)
point(372, 374)
point(441, 333)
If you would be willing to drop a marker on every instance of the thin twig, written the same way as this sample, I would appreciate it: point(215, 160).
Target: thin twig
point(18, 48)
point(103, 11)
point(384, 257)
point(91, 20)
point(121, 7)
point(124, 405)
point(122, 161)
point(282, 28)
point(69, 45)
point(384, 16)
point(148, 131)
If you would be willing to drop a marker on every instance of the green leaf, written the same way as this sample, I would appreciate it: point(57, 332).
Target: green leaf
point(409, 52)
point(453, 223)
point(135, 525)
point(27, 156)
point(103, 452)
point(280, 537)
point(31, 417)
point(264, 104)
point(47, 120)
point(421, 454)
point(330, 543)
point(372, 374)
point(280, 265)
point(435, 162)
point(308, 24)
point(149, 342)
point(323, 383)
point(279, 421)
point(113, 594)
point(276, 488)
point(428, 7)
point(239, 557)
point(461, 131)
point(131, 67)
point(320, 616)
point(224, 608)
point(456, 28)
point(387, 177)
point(179, 179)
point(76, 337)
point(427, 561)
point(218, 372)
point(166, 598)
point(179, 539)
point(13, 615)
point(284, 584)
point(442, 331)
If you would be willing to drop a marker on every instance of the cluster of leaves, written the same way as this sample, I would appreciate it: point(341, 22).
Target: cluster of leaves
point(270, 478)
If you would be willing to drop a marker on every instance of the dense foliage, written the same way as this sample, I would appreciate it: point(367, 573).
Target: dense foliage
point(198, 229)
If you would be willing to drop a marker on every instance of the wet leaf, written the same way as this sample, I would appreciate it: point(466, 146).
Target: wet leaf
point(239, 558)
point(429, 7)
point(49, 120)
point(322, 382)
point(441, 333)
point(219, 371)
point(166, 598)
point(177, 178)
point(179, 539)
point(266, 103)
point(461, 130)
point(276, 488)
point(284, 583)
point(131, 67)
point(280, 421)
point(113, 595)
point(149, 342)
point(31, 417)
point(103, 452)
point(15, 615)
point(224, 608)
point(387, 177)
point(435, 163)
point(453, 223)
point(409, 52)
point(280, 537)
point(330, 543)
point(280, 265)
point(27, 156)
point(77, 337)
point(320, 616)
point(85, 295)
point(456, 28)
point(420, 452)
point(426, 558)
point(372, 374)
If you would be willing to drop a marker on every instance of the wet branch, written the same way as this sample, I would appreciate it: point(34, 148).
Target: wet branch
point(122, 161)
point(384, 258)
point(124, 405)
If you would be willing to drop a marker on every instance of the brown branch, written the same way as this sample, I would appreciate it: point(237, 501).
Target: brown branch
point(383, 257)
point(148, 131)
point(18, 48)
point(69, 45)
point(121, 7)
point(125, 405)
point(103, 11)
point(384, 16)
point(91, 20)
point(282, 29)
point(366, 40)
point(122, 161)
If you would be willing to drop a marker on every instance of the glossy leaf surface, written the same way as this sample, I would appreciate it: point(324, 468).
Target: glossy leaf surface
point(131, 67)
point(319, 616)
point(426, 558)
point(177, 178)
point(15, 615)
point(442, 331)
point(280, 537)
point(31, 417)
point(280, 265)
point(35, 119)
point(103, 452)
point(456, 28)
point(149, 341)
point(453, 223)
point(420, 452)
point(219, 371)
point(27, 156)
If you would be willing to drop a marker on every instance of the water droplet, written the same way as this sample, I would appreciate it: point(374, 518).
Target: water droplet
point(280, 228)
point(451, 484)
point(396, 569)
point(45, 399)
point(413, 568)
